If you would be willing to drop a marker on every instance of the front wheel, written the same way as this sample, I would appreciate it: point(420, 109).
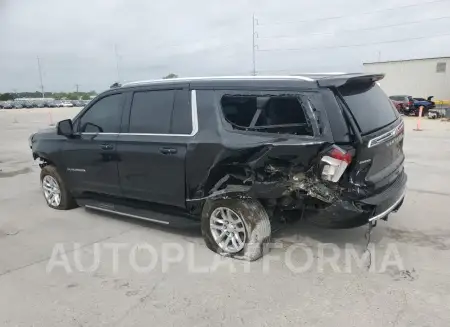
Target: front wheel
point(55, 191)
point(238, 228)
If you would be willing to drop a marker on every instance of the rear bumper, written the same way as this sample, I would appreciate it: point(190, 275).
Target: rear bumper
point(349, 214)
point(389, 200)
point(386, 212)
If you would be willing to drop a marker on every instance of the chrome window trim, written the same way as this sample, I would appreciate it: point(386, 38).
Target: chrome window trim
point(194, 115)
point(88, 133)
point(386, 136)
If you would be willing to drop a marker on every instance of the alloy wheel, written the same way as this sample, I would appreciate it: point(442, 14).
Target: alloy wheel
point(228, 230)
point(52, 191)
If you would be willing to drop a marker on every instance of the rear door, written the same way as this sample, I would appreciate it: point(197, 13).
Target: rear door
point(379, 160)
point(153, 149)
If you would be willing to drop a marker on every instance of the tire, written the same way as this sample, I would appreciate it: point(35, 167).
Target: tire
point(254, 220)
point(66, 200)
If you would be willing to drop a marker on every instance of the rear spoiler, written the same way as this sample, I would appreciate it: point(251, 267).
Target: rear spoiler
point(340, 80)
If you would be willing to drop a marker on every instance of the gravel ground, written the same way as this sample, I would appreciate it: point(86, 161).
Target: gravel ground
point(59, 269)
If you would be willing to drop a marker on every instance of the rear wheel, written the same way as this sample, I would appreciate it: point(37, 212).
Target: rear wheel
point(238, 228)
point(55, 190)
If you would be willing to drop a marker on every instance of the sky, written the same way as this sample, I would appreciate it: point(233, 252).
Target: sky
point(94, 43)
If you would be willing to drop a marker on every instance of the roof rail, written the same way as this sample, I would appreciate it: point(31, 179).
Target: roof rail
point(219, 78)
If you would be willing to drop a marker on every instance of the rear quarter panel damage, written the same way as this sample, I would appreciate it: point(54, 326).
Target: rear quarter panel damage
point(270, 171)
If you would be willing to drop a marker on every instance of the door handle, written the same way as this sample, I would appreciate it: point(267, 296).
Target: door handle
point(106, 146)
point(168, 150)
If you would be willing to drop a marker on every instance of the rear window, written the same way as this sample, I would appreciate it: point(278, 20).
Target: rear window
point(369, 105)
point(284, 113)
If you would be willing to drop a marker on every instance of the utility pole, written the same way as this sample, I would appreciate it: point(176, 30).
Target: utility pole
point(379, 56)
point(76, 90)
point(254, 46)
point(117, 63)
point(40, 77)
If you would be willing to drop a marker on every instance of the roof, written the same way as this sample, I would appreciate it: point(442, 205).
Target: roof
point(308, 80)
point(383, 62)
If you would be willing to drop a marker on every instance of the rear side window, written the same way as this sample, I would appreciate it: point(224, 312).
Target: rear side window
point(283, 113)
point(104, 116)
point(151, 112)
point(369, 105)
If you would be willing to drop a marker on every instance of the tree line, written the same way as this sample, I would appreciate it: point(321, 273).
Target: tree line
point(60, 95)
point(55, 95)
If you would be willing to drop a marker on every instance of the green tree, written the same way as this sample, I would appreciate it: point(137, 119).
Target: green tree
point(171, 75)
point(6, 96)
point(72, 96)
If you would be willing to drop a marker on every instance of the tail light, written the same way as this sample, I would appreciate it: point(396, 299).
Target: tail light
point(334, 164)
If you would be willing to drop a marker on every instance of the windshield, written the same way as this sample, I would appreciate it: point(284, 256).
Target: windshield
point(369, 105)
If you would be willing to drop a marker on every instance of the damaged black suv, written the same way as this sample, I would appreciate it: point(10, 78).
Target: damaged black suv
point(236, 154)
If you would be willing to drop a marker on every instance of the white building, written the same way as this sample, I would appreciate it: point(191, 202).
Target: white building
point(415, 77)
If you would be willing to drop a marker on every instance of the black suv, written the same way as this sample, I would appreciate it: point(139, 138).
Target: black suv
point(236, 154)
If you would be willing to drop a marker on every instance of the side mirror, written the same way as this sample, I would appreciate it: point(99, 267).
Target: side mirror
point(65, 128)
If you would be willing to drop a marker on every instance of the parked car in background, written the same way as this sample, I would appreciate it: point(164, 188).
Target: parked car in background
point(398, 105)
point(17, 105)
point(8, 105)
point(66, 104)
point(403, 103)
point(426, 103)
point(27, 104)
point(1, 104)
point(51, 104)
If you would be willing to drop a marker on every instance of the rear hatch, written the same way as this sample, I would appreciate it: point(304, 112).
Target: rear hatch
point(379, 157)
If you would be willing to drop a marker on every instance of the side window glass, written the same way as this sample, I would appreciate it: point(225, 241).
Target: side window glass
point(151, 112)
point(182, 113)
point(104, 116)
point(283, 113)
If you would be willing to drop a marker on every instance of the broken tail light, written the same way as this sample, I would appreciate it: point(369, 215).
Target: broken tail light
point(334, 164)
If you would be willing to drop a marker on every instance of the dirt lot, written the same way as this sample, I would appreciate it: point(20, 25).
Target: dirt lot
point(43, 253)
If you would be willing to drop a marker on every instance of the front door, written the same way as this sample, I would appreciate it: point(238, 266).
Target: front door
point(91, 155)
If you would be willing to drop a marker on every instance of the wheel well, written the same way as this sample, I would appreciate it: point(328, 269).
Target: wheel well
point(44, 161)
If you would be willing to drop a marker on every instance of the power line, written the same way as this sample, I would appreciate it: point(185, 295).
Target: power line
point(356, 45)
point(354, 30)
point(357, 14)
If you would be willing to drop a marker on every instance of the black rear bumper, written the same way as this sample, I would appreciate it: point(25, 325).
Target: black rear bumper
point(389, 200)
point(349, 214)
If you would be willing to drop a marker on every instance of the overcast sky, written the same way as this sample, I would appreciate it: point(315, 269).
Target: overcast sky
point(75, 39)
